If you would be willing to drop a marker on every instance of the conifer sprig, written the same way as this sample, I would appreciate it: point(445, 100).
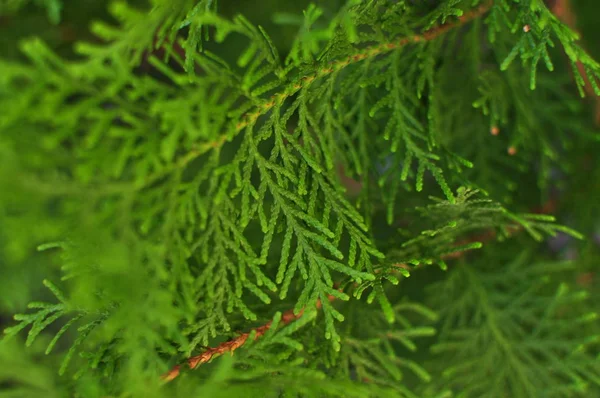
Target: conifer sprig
point(460, 248)
point(308, 77)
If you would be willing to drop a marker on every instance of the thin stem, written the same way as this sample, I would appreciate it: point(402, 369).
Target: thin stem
point(234, 344)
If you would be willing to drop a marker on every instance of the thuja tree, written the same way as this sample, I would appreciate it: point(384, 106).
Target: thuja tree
point(360, 198)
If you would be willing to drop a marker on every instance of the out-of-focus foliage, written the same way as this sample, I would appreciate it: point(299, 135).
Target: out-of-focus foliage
point(175, 173)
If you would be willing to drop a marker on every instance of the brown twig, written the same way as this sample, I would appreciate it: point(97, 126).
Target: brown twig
point(234, 344)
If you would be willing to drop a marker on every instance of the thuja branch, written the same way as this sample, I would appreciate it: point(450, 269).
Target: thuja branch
point(320, 71)
point(252, 116)
point(369, 52)
point(289, 316)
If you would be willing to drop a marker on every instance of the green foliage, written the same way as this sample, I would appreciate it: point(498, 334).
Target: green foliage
point(374, 355)
point(23, 374)
point(203, 177)
point(539, 25)
point(513, 330)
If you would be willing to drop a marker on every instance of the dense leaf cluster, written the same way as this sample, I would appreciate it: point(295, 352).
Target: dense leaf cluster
point(203, 176)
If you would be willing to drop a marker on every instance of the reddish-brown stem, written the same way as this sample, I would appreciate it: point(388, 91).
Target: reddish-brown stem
point(234, 344)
